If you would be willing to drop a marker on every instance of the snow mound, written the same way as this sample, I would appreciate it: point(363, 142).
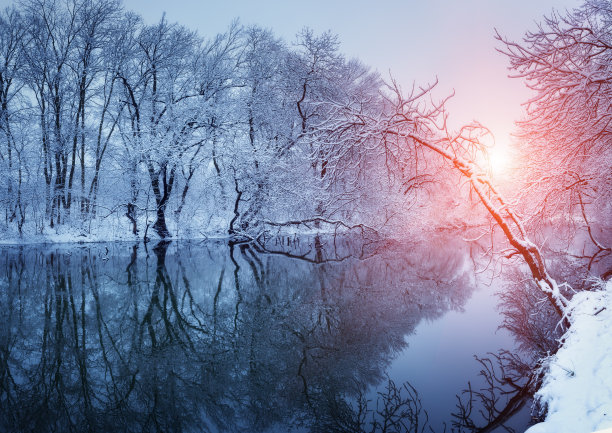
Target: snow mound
point(577, 387)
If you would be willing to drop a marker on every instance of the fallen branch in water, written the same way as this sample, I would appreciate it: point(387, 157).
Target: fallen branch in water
point(315, 220)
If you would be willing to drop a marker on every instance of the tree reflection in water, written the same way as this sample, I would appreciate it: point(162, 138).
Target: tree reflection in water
point(509, 381)
point(215, 336)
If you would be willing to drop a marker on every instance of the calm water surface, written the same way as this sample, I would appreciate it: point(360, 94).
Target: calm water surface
point(310, 335)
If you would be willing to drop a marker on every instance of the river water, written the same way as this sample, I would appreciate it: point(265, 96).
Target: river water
point(308, 334)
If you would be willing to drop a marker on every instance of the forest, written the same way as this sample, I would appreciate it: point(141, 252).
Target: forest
point(105, 117)
point(110, 127)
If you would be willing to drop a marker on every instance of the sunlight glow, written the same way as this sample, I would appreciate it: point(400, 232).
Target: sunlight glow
point(500, 159)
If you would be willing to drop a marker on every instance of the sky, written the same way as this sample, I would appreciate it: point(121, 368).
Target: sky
point(414, 41)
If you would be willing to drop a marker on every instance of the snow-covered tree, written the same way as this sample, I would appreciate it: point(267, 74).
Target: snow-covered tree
point(567, 135)
point(12, 31)
point(169, 84)
point(147, 121)
point(410, 124)
point(64, 69)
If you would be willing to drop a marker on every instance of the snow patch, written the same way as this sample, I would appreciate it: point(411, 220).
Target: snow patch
point(577, 387)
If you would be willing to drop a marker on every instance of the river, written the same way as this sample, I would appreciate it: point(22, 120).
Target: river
point(306, 334)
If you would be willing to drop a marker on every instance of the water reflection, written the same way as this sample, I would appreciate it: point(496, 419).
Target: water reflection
point(509, 381)
point(211, 337)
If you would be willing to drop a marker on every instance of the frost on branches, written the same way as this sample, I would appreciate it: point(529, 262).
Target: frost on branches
point(566, 137)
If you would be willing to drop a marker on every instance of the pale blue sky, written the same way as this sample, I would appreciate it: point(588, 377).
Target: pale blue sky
point(415, 40)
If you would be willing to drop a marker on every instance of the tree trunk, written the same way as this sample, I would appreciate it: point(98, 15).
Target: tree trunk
point(160, 223)
point(231, 230)
point(131, 214)
point(161, 198)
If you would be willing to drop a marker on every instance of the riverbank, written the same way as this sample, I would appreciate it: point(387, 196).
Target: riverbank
point(577, 389)
point(119, 231)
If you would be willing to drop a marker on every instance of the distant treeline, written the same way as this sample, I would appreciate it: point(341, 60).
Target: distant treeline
point(106, 118)
point(107, 123)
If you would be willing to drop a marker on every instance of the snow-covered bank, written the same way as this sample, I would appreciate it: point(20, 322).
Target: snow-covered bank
point(113, 229)
point(118, 230)
point(577, 386)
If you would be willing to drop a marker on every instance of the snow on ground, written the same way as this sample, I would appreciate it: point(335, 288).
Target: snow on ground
point(577, 386)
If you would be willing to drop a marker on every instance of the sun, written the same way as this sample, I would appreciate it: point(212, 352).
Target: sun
point(500, 159)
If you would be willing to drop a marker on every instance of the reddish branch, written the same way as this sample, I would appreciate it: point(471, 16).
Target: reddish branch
point(506, 219)
point(410, 124)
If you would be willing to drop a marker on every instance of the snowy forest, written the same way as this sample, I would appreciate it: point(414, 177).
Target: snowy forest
point(106, 118)
point(112, 129)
